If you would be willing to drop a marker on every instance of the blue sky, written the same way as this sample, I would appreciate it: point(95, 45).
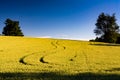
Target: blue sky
point(73, 19)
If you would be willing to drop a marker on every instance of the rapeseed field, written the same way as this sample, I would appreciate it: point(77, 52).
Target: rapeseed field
point(24, 58)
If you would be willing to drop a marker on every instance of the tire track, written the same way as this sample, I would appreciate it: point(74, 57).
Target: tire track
point(73, 58)
point(56, 46)
point(87, 61)
point(54, 43)
point(23, 61)
point(42, 60)
point(61, 46)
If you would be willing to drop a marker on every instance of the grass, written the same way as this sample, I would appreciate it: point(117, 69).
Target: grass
point(55, 59)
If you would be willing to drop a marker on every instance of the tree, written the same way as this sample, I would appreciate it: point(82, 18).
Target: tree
point(118, 39)
point(106, 28)
point(12, 28)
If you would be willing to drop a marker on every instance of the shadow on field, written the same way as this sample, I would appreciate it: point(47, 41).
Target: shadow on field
point(113, 70)
point(55, 76)
point(108, 44)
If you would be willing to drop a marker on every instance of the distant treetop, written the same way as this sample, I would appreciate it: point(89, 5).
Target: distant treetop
point(12, 28)
point(106, 28)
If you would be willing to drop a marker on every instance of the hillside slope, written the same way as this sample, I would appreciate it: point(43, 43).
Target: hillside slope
point(20, 54)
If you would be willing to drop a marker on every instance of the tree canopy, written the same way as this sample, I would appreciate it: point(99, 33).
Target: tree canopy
point(12, 28)
point(106, 28)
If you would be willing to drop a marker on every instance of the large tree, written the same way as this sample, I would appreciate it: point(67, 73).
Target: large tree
point(12, 28)
point(106, 28)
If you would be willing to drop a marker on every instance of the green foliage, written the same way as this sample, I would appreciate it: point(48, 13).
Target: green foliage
point(98, 39)
point(118, 39)
point(107, 28)
point(12, 28)
point(92, 40)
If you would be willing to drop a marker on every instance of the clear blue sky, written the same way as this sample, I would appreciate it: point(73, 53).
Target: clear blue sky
point(57, 18)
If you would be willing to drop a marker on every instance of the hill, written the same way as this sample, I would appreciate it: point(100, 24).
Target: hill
point(67, 57)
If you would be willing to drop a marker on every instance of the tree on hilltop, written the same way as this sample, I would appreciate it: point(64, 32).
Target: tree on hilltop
point(106, 28)
point(12, 28)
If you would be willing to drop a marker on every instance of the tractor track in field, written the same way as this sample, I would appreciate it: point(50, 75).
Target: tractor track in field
point(86, 61)
point(42, 60)
point(56, 46)
point(54, 43)
point(23, 61)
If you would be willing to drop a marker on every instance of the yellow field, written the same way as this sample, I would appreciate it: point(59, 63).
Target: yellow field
point(38, 55)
